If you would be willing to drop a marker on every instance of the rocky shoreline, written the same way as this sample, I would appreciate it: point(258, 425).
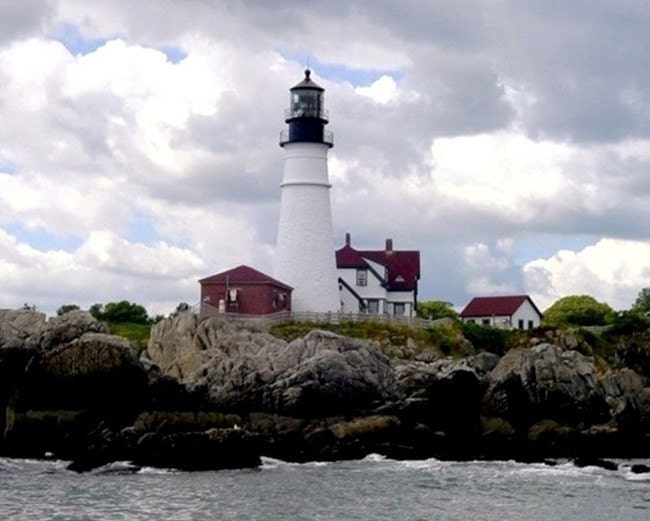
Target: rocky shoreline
point(212, 394)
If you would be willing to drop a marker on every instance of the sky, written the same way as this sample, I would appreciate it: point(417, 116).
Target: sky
point(506, 140)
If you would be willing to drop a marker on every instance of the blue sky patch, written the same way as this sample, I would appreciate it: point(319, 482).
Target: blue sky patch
point(545, 245)
point(43, 240)
point(8, 167)
point(142, 229)
point(73, 40)
point(174, 53)
point(340, 72)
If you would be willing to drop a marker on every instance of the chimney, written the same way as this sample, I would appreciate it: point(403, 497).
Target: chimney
point(348, 239)
point(389, 246)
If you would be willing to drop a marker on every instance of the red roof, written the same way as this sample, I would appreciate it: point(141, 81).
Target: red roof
point(402, 266)
point(348, 257)
point(242, 275)
point(497, 306)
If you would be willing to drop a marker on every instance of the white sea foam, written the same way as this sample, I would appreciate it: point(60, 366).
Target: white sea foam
point(117, 467)
point(155, 470)
point(375, 457)
point(272, 463)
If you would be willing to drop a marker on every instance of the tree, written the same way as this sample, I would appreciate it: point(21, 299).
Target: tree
point(642, 303)
point(97, 311)
point(434, 309)
point(120, 312)
point(183, 307)
point(578, 310)
point(66, 308)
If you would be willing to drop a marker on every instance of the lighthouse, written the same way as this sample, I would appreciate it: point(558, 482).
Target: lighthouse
point(305, 257)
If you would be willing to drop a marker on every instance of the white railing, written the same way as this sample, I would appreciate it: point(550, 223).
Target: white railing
point(286, 317)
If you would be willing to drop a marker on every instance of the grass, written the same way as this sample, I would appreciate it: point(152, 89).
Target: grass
point(396, 340)
point(137, 333)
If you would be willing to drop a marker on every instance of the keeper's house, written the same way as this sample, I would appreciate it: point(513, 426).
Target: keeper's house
point(378, 282)
point(246, 291)
point(510, 312)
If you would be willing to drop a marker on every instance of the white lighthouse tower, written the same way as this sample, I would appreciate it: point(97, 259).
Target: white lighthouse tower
point(305, 257)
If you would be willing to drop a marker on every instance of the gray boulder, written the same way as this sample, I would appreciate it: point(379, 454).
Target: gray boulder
point(628, 399)
point(244, 368)
point(66, 328)
point(444, 395)
point(20, 328)
point(546, 382)
point(96, 371)
point(27, 329)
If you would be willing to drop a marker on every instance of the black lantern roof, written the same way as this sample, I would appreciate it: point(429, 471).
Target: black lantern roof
point(307, 83)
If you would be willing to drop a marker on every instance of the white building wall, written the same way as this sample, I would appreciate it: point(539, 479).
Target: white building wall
point(305, 258)
point(375, 291)
point(491, 320)
point(400, 297)
point(527, 313)
point(372, 290)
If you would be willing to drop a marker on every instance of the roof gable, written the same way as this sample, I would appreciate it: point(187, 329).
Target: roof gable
point(497, 306)
point(348, 257)
point(242, 275)
point(402, 266)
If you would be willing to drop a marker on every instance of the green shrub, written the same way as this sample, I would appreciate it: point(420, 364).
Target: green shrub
point(627, 323)
point(486, 338)
point(137, 333)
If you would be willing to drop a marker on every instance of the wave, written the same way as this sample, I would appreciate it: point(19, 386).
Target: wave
point(117, 467)
point(273, 463)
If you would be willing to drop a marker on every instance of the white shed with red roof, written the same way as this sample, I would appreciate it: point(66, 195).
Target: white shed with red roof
point(511, 311)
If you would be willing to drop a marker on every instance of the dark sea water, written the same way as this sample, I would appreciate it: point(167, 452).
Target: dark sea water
point(370, 489)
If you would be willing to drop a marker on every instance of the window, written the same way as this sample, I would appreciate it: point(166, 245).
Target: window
point(521, 323)
point(373, 307)
point(362, 277)
point(485, 321)
point(398, 308)
point(531, 325)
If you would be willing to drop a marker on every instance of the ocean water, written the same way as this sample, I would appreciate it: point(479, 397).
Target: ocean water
point(370, 489)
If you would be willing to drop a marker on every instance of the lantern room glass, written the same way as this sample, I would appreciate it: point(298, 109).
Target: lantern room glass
point(307, 103)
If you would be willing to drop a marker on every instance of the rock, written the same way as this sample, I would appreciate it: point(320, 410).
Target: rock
point(595, 462)
point(628, 399)
point(65, 393)
point(68, 327)
point(246, 369)
point(545, 382)
point(94, 371)
point(445, 395)
point(210, 450)
point(497, 438)
point(28, 329)
point(484, 363)
point(182, 421)
point(548, 439)
point(96, 449)
point(20, 328)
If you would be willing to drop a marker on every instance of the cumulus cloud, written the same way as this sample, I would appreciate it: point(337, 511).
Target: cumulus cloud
point(612, 270)
point(138, 145)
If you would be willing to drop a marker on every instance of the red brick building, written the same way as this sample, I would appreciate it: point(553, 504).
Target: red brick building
point(244, 290)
